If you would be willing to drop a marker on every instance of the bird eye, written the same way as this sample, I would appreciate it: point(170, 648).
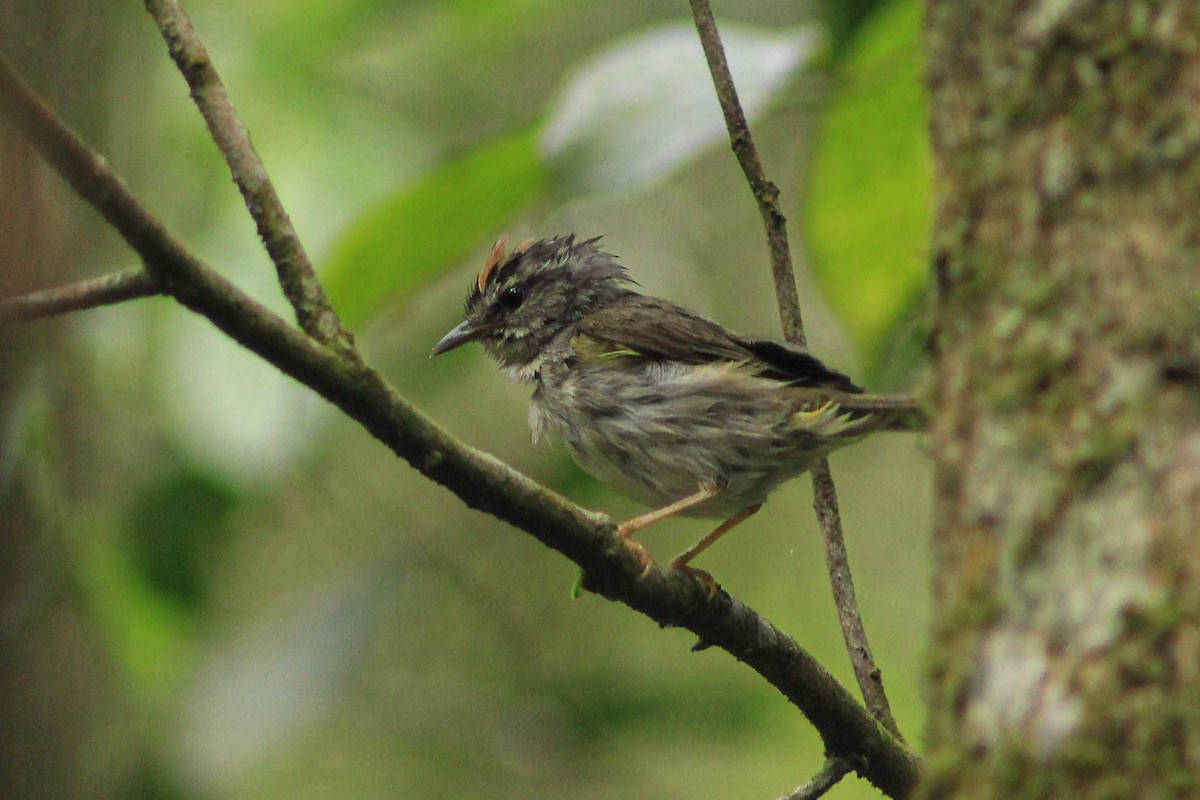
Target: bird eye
point(512, 297)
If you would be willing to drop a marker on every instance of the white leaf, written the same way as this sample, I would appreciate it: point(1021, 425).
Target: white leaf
point(646, 105)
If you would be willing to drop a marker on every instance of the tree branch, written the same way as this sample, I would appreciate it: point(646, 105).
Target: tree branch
point(92, 179)
point(296, 275)
point(103, 291)
point(831, 773)
point(482, 482)
point(837, 563)
point(766, 194)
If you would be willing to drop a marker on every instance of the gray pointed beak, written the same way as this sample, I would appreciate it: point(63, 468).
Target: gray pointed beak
point(462, 333)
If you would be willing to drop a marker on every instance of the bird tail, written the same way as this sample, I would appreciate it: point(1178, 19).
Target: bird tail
point(888, 412)
point(844, 417)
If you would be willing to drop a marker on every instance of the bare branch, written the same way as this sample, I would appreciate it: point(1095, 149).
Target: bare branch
point(590, 540)
point(766, 194)
point(296, 275)
point(103, 291)
point(869, 676)
point(90, 176)
point(831, 773)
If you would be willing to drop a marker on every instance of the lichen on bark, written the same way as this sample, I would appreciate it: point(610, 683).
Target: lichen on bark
point(1066, 138)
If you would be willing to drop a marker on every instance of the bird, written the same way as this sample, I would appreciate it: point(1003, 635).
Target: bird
point(654, 399)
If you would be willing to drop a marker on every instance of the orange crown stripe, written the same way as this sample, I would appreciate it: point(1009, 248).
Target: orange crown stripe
point(494, 260)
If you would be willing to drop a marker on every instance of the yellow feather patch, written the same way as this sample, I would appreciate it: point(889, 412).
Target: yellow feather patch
point(826, 419)
point(591, 348)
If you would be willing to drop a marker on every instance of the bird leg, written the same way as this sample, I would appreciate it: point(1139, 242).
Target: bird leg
point(681, 561)
point(631, 526)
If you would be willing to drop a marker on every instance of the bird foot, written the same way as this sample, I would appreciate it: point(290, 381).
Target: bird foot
point(639, 550)
point(710, 583)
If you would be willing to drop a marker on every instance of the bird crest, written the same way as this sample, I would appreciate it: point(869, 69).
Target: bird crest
point(496, 257)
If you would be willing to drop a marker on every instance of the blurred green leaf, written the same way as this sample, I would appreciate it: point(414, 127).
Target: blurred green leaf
point(843, 18)
point(177, 527)
point(408, 239)
point(644, 106)
point(147, 637)
point(144, 595)
point(867, 208)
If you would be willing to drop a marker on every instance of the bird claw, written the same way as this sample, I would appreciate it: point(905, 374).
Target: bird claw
point(710, 583)
point(640, 553)
point(679, 564)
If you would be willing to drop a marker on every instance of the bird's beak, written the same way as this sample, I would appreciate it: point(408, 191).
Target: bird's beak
point(460, 335)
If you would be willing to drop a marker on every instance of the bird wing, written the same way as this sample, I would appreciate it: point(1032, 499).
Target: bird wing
point(657, 330)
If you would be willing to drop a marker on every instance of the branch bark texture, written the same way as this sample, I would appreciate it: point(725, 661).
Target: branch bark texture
point(296, 274)
point(1067, 426)
point(103, 291)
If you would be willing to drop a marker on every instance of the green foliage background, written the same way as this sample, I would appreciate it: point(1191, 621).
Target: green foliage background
point(253, 599)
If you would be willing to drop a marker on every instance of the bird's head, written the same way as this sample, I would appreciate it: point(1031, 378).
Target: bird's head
point(522, 302)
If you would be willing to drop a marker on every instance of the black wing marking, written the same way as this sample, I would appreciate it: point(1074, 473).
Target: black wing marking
point(658, 329)
point(796, 364)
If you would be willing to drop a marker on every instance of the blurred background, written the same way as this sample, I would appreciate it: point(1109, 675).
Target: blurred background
point(213, 586)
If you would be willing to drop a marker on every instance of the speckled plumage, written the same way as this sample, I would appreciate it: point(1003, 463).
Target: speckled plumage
point(652, 398)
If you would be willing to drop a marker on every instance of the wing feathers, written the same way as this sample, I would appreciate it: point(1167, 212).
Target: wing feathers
point(658, 329)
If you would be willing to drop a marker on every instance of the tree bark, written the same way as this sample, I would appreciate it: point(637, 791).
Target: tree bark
point(1066, 642)
point(53, 684)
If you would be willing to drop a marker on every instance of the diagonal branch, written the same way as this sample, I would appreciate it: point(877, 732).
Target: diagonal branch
point(837, 564)
point(92, 179)
point(610, 568)
point(766, 194)
point(833, 770)
point(103, 291)
point(296, 275)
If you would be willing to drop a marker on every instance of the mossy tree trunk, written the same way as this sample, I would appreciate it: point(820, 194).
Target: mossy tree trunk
point(1066, 646)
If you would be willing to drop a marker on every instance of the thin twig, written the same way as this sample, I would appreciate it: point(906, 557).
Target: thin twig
point(611, 569)
point(869, 677)
point(90, 176)
point(766, 194)
point(831, 773)
point(103, 291)
point(296, 275)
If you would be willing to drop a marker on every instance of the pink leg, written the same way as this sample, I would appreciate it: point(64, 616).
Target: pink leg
point(681, 561)
point(725, 527)
point(632, 526)
point(629, 527)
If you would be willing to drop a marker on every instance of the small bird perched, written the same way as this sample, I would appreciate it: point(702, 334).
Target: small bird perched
point(653, 399)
